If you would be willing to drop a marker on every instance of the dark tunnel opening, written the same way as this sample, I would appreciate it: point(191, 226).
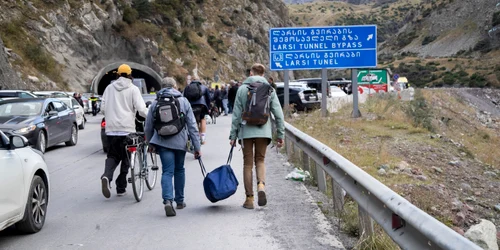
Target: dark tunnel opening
point(106, 79)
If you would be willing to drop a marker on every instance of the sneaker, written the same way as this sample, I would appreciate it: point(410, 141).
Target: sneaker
point(121, 194)
point(249, 202)
point(180, 205)
point(169, 209)
point(261, 193)
point(106, 191)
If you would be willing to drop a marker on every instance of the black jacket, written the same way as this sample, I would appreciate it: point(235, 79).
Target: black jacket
point(232, 94)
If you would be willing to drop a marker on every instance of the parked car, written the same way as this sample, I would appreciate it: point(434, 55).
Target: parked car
point(24, 185)
point(336, 91)
point(314, 83)
point(303, 97)
point(80, 113)
point(16, 94)
point(45, 122)
point(47, 94)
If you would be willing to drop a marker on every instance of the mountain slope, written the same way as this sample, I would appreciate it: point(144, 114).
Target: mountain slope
point(65, 43)
point(435, 43)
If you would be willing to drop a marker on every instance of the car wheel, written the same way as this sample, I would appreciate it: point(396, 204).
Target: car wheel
point(36, 207)
point(74, 136)
point(41, 143)
point(82, 126)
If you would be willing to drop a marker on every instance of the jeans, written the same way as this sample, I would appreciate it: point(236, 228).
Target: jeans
point(224, 104)
point(117, 154)
point(172, 162)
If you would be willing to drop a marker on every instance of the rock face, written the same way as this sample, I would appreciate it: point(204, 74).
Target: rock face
point(8, 78)
point(484, 235)
point(216, 37)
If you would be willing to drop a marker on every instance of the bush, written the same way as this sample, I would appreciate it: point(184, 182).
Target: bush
point(484, 46)
point(496, 19)
point(428, 39)
point(130, 15)
point(477, 80)
point(143, 7)
point(42, 61)
point(419, 111)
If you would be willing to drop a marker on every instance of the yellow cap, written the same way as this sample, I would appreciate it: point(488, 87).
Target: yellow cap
point(124, 68)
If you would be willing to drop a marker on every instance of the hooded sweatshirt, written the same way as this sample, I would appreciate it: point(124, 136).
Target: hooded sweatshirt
point(120, 102)
point(178, 141)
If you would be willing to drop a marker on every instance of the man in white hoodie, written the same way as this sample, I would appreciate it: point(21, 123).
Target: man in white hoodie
point(120, 103)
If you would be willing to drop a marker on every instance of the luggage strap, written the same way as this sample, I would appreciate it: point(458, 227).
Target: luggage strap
point(202, 166)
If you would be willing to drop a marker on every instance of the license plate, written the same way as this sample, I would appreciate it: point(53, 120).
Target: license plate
point(312, 97)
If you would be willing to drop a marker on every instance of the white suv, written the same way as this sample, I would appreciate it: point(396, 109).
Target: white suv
point(24, 185)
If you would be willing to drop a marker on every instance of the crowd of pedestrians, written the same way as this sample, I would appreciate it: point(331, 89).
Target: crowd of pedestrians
point(176, 119)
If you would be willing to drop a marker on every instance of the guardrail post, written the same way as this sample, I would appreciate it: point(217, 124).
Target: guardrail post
point(338, 197)
point(289, 148)
point(321, 178)
point(365, 223)
point(305, 161)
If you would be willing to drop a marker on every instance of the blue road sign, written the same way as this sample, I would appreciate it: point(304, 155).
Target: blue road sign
point(336, 47)
point(396, 77)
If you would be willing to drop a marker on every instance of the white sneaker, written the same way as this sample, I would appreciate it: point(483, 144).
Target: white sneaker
point(106, 190)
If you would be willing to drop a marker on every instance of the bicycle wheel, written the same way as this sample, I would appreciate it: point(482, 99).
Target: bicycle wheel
point(135, 175)
point(151, 169)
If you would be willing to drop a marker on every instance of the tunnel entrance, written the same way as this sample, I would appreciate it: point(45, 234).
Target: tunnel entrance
point(108, 73)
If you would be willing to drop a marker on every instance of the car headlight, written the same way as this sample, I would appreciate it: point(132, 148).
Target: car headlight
point(25, 130)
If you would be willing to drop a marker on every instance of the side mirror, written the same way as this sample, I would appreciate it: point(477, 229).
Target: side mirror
point(76, 106)
point(53, 113)
point(17, 141)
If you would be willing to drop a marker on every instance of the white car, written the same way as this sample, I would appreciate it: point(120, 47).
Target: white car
point(336, 91)
point(80, 112)
point(24, 185)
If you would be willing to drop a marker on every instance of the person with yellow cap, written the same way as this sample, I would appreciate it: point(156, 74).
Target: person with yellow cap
point(120, 103)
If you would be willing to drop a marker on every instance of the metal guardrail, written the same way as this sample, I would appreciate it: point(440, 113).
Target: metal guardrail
point(407, 225)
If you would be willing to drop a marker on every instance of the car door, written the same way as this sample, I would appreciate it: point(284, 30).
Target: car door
point(66, 115)
point(78, 110)
point(52, 125)
point(11, 183)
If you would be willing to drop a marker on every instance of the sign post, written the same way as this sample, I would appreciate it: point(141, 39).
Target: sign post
point(355, 110)
point(335, 47)
point(324, 92)
point(286, 105)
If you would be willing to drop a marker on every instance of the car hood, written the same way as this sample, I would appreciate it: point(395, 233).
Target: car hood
point(12, 122)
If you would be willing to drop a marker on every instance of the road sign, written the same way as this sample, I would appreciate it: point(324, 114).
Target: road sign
point(374, 76)
point(335, 47)
point(396, 77)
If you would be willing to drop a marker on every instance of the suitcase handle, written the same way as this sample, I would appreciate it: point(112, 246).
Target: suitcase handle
point(230, 155)
point(202, 166)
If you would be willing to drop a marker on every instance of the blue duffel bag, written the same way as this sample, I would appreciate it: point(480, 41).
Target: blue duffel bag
point(221, 182)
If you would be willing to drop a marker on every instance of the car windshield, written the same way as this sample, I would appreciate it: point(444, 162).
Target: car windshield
point(20, 109)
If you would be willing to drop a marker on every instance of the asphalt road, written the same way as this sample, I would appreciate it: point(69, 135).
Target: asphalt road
point(79, 217)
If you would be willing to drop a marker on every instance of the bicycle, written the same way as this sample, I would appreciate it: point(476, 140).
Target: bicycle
point(143, 169)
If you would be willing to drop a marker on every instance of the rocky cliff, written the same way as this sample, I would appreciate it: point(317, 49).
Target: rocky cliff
point(65, 42)
point(8, 78)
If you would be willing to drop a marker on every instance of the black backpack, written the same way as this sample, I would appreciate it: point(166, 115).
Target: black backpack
point(193, 91)
point(168, 118)
point(258, 106)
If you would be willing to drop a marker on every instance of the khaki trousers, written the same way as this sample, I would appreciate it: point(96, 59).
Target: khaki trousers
point(254, 152)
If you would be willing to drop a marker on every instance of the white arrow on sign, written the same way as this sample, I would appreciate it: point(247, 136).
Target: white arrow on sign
point(370, 37)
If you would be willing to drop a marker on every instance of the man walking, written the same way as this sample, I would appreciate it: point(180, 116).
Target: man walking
point(199, 97)
point(255, 138)
point(232, 95)
point(120, 102)
point(172, 147)
point(225, 101)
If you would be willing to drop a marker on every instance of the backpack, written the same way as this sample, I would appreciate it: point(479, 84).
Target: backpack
point(168, 118)
point(193, 92)
point(257, 108)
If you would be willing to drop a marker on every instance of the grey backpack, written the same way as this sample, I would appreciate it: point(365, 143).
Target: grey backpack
point(258, 107)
